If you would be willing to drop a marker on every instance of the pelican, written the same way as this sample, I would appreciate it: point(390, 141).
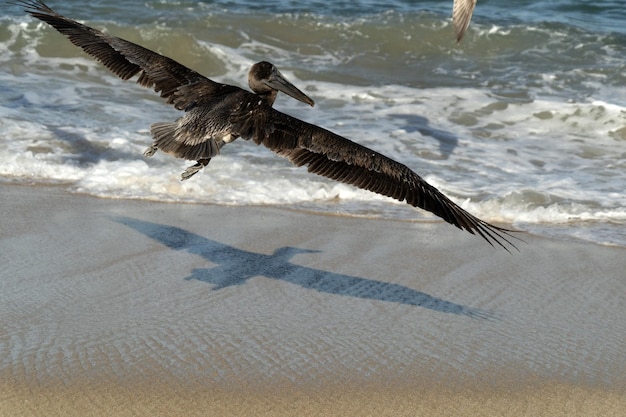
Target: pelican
point(216, 114)
point(462, 11)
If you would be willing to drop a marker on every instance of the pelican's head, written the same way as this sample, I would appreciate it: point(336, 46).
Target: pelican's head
point(265, 80)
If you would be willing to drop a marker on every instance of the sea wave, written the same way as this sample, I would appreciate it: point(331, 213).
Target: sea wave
point(524, 125)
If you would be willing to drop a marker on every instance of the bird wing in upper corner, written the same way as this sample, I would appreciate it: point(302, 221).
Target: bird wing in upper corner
point(462, 11)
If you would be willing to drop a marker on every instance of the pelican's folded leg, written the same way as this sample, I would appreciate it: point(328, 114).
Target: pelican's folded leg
point(193, 170)
point(151, 150)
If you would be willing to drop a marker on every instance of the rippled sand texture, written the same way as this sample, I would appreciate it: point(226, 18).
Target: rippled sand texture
point(116, 307)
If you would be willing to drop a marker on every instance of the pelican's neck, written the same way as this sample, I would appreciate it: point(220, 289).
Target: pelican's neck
point(269, 96)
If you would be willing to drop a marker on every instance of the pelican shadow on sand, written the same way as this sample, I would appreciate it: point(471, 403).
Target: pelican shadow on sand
point(235, 266)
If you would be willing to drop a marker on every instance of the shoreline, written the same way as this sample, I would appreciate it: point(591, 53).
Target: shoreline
point(552, 233)
point(130, 307)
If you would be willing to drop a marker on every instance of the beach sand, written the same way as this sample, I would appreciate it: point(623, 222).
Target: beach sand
point(133, 308)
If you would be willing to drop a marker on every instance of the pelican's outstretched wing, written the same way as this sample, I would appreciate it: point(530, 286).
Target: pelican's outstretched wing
point(461, 15)
point(330, 155)
point(181, 86)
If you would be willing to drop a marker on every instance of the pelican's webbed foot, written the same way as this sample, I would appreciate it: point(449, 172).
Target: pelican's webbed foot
point(193, 170)
point(150, 151)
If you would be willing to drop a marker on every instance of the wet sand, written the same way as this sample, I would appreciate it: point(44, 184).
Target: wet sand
point(117, 307)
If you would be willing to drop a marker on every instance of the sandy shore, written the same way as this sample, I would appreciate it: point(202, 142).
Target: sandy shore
point(130, 308)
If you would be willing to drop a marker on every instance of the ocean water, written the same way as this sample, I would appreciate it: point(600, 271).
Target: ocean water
point(523, 123)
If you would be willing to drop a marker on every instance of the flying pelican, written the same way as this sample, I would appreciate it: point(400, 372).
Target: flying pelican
point(216, 114)
point(461, 15)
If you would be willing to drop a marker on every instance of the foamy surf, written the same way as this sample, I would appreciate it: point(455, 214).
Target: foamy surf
point(510, 137)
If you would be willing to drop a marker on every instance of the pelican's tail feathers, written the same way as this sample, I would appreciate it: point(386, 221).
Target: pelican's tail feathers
point(169, 138)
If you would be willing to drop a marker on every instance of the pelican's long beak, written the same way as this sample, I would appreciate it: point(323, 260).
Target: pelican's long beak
point(278, 82)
